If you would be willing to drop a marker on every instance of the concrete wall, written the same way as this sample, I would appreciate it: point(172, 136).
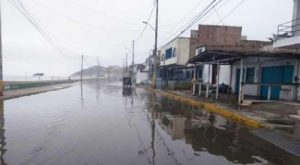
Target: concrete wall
point(141, 77)
point(287, 92)
point(182, 46)
point(183, 85)
point(183, 49)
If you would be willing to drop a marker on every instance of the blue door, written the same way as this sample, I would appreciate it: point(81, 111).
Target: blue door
point(275, 75)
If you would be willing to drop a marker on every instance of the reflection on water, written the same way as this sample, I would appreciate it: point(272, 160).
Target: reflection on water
point(209, 133)
point(123, 126)
point(2, 133)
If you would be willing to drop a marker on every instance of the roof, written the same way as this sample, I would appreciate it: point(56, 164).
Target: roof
point(226, 56)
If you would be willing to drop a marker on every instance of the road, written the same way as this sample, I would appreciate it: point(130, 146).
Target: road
point(104, 124)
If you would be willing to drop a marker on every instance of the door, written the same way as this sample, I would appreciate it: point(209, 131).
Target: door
point(275, 75)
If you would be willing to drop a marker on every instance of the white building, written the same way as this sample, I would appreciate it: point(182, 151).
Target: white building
point(288, 35)
point(265, 75)
point(176, 52)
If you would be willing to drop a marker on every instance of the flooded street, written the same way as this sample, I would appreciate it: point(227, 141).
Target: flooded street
point(104, 124)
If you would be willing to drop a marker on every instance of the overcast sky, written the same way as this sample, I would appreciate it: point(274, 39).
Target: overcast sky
point(105, 28)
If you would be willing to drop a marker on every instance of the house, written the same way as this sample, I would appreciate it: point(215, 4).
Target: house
point(138, 74)
point(288, 33)
point(210, 37)
point(258, 69)
point(264, 74)
point(176, 52)
point(173, 58)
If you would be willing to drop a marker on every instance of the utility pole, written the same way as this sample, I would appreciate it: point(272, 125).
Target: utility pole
point(81, 69)
point(97, 69)
point(126, 65)
point(132, 74)
point(155, 46)
point(1, 70)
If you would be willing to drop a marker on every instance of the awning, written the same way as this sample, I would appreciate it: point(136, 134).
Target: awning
point(226, 56)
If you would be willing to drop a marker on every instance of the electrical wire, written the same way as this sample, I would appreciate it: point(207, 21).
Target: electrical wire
point(50, 39)
point(145, 26)
point(184, 18)
point(235, 8)
point(68, 18)
point(196, 19)
point(113, 18)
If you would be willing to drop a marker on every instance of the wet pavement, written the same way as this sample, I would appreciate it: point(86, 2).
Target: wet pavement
point(105, 124)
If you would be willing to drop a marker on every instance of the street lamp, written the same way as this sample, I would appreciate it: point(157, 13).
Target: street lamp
point(144, 22)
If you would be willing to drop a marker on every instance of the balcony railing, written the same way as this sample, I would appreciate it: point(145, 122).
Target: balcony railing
point(288, 29)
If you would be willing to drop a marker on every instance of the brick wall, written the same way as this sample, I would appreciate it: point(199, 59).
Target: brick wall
point(222, 38)
point(214, 35)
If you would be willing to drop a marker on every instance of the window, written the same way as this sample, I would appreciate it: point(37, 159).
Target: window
point(168, 53)
point(250, 75)
point(200, 50)
point(174, 52)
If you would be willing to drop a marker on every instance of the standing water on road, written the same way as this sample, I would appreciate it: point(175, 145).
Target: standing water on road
point(104, 124)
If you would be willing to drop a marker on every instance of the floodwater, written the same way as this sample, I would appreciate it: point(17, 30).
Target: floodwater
point(104, 124)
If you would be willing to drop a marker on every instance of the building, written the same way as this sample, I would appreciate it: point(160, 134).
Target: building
point(213, 37)
point(173, 58)
point(288, 34)
point(265, 75)
point(139, 75)
point(176, 52)
point(208, 36)
point(217, 37)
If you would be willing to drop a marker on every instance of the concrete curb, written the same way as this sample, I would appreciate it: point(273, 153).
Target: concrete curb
point(226, 113)
point(29, 93)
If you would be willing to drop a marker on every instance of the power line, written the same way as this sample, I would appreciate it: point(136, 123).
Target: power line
point(66, 17)
point(99, 12)
point(223, 4)
point(201, 15)
point(184, 18)
point(235, 8)
point(198, 17)
point(51, 40)
point(219, 17)
point(150, 16)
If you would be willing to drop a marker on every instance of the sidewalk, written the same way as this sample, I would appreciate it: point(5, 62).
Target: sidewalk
point(272, 115)
point(10, 94)
point(267, 120)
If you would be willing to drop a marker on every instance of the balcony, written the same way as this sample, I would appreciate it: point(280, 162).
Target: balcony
point(288, 35)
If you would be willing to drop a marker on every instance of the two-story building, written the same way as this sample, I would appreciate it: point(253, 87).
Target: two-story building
point(173, 58)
